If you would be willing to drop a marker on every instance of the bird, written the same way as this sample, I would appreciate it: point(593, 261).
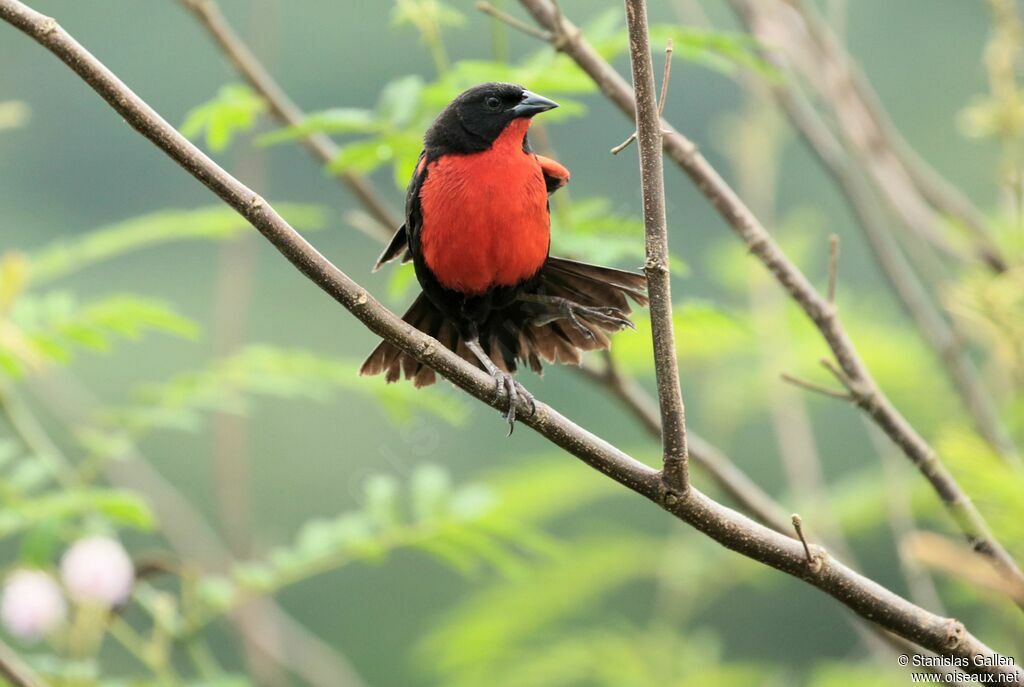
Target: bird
point(477, 229)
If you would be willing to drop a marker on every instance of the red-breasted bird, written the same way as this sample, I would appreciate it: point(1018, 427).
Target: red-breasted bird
point(477, 228)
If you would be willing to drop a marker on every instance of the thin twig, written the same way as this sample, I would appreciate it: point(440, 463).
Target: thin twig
point(833, 267)
point(816, 388)
point(287, 112)
point(870, 600)
point(675, 473)
point(760, 243)
point(514, 22)
point(661, 100)
point(798, 525)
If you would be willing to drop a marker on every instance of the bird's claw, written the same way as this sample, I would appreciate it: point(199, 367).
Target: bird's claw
point(504, 382)
point(605, 314)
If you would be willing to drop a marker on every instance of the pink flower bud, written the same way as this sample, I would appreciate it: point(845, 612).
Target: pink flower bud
point(32, 604)
point(98, 570)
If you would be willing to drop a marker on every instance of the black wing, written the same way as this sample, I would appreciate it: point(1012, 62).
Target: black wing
point(399, 243)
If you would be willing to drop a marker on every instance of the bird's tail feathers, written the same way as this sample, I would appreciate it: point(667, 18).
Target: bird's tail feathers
point(533, 331)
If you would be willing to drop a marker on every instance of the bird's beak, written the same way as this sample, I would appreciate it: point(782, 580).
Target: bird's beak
point(532, 104)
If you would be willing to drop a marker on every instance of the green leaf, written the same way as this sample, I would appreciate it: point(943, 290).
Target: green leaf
point(362, 156)
point(342, 120)
point(232, 111)
point(52, 326)
point(216, 223)
point(722, 51)
point(277, 373)
point(382, 501)
point(118, 507)
point(400, 100)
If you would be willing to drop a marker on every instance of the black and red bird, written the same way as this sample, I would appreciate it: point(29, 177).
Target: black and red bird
point(477, 228)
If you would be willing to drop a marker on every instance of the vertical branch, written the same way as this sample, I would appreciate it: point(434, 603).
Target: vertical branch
point(675, 475)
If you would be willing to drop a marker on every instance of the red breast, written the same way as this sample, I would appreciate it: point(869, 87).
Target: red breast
point(485, 215)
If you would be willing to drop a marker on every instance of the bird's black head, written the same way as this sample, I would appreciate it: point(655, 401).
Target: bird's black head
point(475, 119)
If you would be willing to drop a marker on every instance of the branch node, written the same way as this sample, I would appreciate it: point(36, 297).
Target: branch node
point(362, 298)
point(843, 378)
point(955, 631)
point(48, 26)
point(674, 481)
point(256, 203)
point(652, 264)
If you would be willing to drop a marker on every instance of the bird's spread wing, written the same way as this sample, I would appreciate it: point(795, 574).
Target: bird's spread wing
point(555, 175)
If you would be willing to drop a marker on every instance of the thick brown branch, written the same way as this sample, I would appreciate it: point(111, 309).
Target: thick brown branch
point(319, 145)
point(870, 600)
point(652, 184)
point(760, 243)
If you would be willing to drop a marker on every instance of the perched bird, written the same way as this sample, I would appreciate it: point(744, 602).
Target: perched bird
point(477, 228)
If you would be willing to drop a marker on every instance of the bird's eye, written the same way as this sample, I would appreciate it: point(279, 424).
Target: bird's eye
point(492, 103)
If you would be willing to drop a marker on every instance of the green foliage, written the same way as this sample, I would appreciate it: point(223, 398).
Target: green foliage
point(227, 384)
point(722, 51)
point(486, 629)
point(48, 329)
point(232, 111)
point(119, 508)
point(590, 230)
point(450, 523)
point(995, 486)
point(426, 13)
point(215, 223)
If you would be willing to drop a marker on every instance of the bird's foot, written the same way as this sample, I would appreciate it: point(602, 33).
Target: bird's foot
point(507, 384)
point(571, 311)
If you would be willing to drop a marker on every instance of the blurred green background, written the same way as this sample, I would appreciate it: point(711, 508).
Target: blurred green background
point(75, 166)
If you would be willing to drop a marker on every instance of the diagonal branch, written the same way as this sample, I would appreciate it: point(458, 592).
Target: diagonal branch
point(934, 329)
point(869, 397)
point(287, 112)
point(870, 600)
point(915, 191)
point(675, 473)
point(14, 671)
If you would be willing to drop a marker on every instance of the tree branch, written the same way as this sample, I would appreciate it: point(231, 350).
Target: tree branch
point(759, 242)
point(942, 635)
point(722, 471)
point(319, 145)
point(675, 473)
point(914, 190)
